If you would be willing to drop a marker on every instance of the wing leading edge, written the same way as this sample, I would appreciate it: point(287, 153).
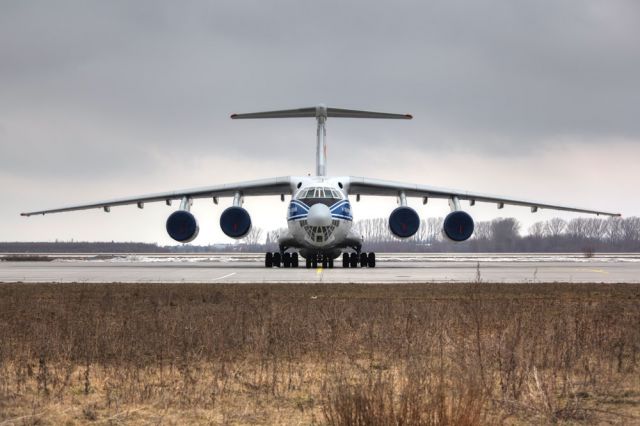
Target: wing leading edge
point(366, 186)
point(271, 186)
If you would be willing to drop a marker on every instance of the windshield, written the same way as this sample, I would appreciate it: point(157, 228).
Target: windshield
point(314, 195)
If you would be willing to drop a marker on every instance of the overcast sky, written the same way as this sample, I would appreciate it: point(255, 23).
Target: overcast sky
point(534, 99)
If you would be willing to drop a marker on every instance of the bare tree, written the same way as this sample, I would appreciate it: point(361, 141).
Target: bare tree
point(577, 227)
point(433, 229)
point(505, 233)
point(555, 227)
point(483, 231)
point(595, 228)
point(254, 236)
point(631, 230)
point(538, 230)
point(615, 229)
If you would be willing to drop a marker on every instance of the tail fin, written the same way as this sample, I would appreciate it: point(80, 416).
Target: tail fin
point(321, 113)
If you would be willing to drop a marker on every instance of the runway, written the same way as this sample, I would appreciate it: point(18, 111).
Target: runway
point(391, 268)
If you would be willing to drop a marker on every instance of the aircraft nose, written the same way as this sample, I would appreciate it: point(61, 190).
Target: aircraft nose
point(319, 215)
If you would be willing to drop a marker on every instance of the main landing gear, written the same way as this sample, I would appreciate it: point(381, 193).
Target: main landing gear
point(277, 259)
point(354, 260)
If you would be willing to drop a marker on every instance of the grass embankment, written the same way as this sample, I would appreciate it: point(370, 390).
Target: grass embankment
point(337, 354)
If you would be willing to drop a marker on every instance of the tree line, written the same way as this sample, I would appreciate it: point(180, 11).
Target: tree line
point(587, 235)
point(505, 235)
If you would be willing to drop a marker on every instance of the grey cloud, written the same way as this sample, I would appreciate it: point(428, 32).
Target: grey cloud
point(163, 76)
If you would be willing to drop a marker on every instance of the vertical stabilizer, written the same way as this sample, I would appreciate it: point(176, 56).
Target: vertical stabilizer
point(321, 141)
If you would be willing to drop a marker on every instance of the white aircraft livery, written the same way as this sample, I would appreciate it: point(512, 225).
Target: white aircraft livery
point(319, 214)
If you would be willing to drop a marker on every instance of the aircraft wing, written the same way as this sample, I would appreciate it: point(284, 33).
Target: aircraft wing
point(366, 186)
point(272, 186)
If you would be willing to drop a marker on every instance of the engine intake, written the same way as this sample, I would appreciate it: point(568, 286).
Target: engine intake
point(182, 226)
point(404, 222)
point(235, 222)
point(458, 226)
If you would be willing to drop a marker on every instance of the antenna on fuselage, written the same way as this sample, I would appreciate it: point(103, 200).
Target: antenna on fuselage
point(321, 113)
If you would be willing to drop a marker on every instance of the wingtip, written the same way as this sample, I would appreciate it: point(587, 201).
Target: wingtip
point(233, 116)
point(408, 116)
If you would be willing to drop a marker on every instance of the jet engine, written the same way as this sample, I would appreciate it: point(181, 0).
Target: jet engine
point(235, 222)
point(458, 226)
point(182, 226)
point(404, 222)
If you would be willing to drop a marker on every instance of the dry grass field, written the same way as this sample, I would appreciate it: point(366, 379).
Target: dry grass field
point(431, 354)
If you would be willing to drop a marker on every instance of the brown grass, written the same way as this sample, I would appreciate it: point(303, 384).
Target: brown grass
point(431, 354)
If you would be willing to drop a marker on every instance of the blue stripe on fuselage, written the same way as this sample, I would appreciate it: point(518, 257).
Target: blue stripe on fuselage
point(342, 209)
point(333, 216)
point(339, 210)
point(339, 204)
point(300, 204)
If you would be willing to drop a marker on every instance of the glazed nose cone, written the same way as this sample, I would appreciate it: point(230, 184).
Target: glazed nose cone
point(319, 215)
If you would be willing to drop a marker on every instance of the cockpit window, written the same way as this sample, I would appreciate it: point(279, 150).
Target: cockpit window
point(314, 195)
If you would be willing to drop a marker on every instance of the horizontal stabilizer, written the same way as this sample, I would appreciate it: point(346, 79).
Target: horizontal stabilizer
point(322, 111)
point(285, 113)
point(354, 113)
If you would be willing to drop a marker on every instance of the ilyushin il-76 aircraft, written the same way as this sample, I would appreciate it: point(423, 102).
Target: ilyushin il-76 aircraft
point(319, 214)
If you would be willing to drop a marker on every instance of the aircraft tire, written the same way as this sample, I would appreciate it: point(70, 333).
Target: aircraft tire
point(294, 260)
point(353, 260)
point(363, 260)
point(276, 259)
point(286, 260)
point(330, 263)
point(371, 260)
point(345, 260)
point(268, 260)
point(308, 263)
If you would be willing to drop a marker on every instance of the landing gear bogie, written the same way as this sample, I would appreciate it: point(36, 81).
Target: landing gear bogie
point(277, 259)
point(354, 260)
point(371, 260)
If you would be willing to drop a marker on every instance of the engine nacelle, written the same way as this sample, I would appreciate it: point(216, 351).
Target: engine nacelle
point(404, 222)
point(458, 226)
point(182, 226)
point(235, 222)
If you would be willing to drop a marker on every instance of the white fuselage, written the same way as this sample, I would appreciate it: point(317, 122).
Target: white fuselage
point(319, 215)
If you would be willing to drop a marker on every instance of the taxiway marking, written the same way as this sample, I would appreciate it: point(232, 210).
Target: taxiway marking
point(224, 276)
point(599, 271)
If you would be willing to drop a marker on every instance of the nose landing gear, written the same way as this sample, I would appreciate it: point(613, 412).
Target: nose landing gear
point(319, 260)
